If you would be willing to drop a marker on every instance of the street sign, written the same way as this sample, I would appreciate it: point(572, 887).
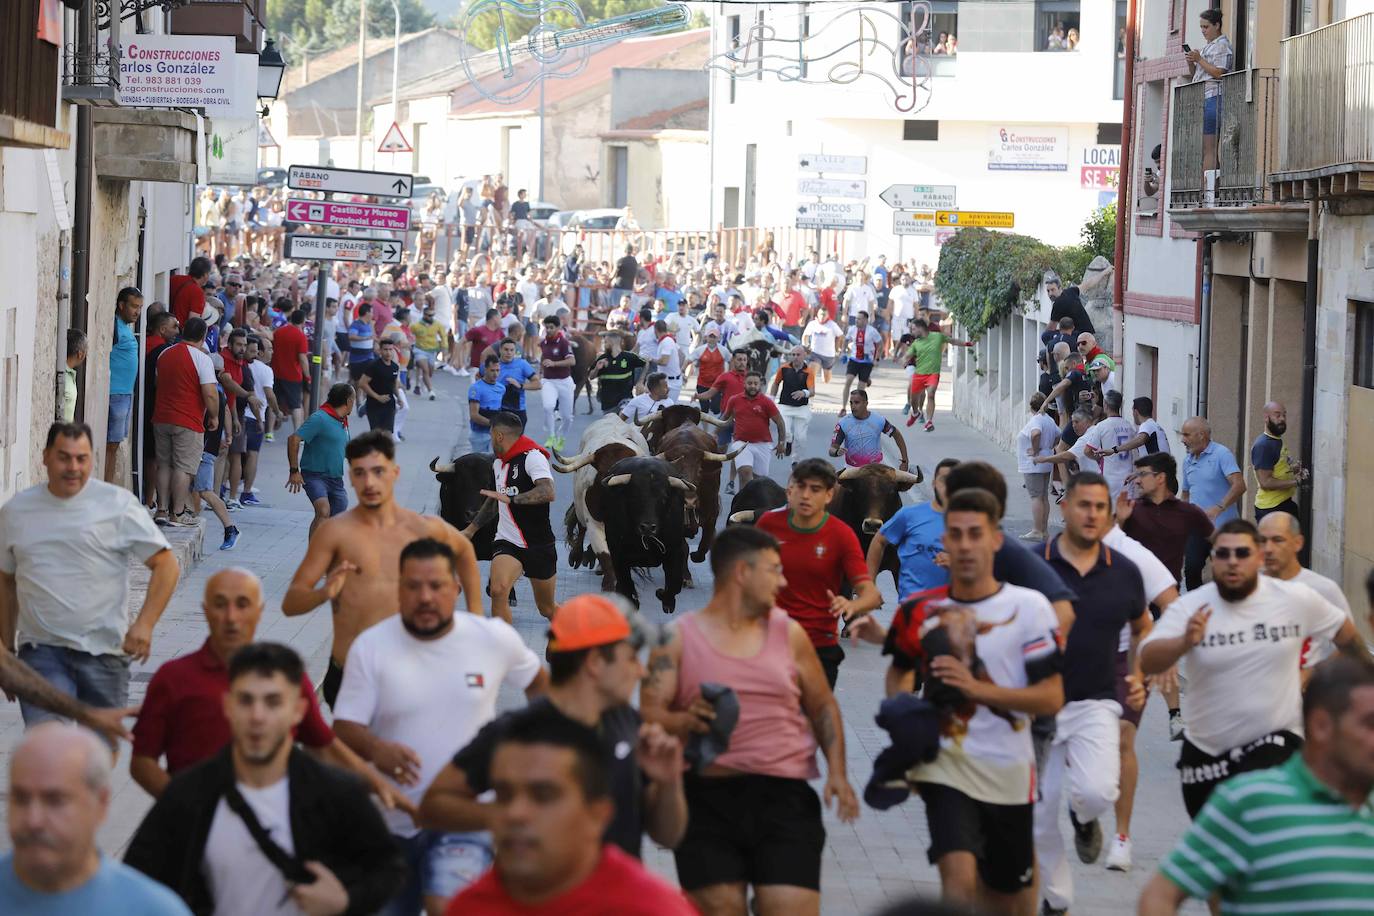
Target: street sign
point(904, 223)
point(832, 187)
point(348, 181)
point(827, 215)
point(919, 196)
point(394, 141)
point(966, 218)
point(823, 162)
point(357, 216)
point(341, 248)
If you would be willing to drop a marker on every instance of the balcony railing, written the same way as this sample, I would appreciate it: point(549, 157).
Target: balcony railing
point(1326, 120)
point(1246, 126)
point(90, 77)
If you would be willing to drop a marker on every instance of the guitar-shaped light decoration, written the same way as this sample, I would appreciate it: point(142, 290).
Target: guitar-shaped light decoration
point(554, 41)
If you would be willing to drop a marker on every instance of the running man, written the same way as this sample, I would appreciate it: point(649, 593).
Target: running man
point(556, 365)
point(860, 435)
point(357, 554)
point(927, 354)
point(751, 412)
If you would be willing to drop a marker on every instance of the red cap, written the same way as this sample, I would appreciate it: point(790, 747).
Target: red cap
point(586, 621)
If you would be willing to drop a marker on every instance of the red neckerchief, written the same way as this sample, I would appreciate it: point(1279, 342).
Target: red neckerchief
point(663, 337)
point(330, 410)
point(522, 445)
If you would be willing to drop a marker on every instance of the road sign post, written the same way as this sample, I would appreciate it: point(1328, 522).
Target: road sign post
point(354, 216)
point(830, 215)
point(317, 341)
point(919, 196)
point(904, 223)
point(349, 181)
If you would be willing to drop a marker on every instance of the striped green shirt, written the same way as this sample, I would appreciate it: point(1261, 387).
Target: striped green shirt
point(1278, 841)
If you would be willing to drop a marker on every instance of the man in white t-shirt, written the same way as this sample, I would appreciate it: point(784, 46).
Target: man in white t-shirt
point(860, 297)
point(1150, 437)
point(1240, 638)
point(443, 306)
point(416, 688)
point(331, 289)
point(821, 336)
point(902, 299)
point(683, 325)
point(1281, 541)
point(530, 288)
point(1107, 441)
point(667, 358)
point(1037, 439)
point(654, 399)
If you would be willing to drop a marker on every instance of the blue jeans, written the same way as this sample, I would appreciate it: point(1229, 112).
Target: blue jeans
point(439, 865)
point(96, 680)
point(479, 442)
point(322, 486)
point(117, 426)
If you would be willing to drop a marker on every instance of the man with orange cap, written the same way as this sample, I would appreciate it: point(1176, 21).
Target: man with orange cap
point(594, 667)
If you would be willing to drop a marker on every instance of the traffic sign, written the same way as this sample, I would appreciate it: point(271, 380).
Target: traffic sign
point(968, 218)
point(919, 196)
point(832, 187)
point(394, 141)
point(904, 223)
point(827, 215)
point(357, 216)
point(349, 181)
point(823, 162)
point(342, 248)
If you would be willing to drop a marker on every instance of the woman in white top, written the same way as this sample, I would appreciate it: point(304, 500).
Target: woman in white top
point(820, 336)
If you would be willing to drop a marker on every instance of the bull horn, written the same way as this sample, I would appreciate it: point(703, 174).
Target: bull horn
point(743, 517)
point(440, 469)
point(653, 417)
point(849, 473)
point(616, 480)
point(572, 464)
point(913, 479)
point(728, 456)
point(712, 421)
point(680, 484)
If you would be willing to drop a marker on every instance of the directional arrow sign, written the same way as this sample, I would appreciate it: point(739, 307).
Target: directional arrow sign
point(823, 162)
point(339, 248)
point(913, 223)
point(826, 215)
point(974, 218)
point(357, 216)
point(919, 196)
point(348, 181)
point(832, 187)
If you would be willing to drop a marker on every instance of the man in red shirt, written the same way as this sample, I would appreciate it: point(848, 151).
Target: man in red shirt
point(552, 806)
point(820, 554)
point(183, 718)
point(187, 291)
point(722, 390)
point(791, 306)
point(291, 366)
point(186, 394)
point(482, 336)
point(751, 412)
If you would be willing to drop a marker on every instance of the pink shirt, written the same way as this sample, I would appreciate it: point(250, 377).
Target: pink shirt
point(773, 736)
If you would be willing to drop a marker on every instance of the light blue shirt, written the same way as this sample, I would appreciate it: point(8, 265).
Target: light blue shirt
point(917, 533)
point(123, 359)
point(520, 370)
point(114, 890)
point(1204, 478)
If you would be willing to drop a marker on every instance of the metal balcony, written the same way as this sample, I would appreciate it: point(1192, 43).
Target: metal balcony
point(90, 77)
point(1326, 117)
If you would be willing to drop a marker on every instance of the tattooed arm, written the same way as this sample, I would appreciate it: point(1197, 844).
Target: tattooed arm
point(542, 493)
point(818, 702)
point(659, 688)
point(483, 518)
point(19, 680)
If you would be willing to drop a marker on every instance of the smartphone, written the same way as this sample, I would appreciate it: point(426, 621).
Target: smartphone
point(1186, 49)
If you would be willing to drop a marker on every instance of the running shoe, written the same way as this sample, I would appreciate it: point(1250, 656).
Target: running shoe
point(550, 444)
point(431, 395)
point(268, 437)
point(161, 520)
point(559, 444)
point(906, 409)
point(930, 426)
point(1087, 839)
point(1119, 856)
point(231, 537)
point(1033, 536)
point(450, 370)
point(730, 488)
point(224, 491)
point(187, 519)
point(1176, 725)
point(911, 420)
point(249, 499)
point(233, 505)
point(462, 373)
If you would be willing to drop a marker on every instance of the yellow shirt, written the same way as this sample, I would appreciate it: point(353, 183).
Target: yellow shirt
point(1270, 452)
point(428, 336)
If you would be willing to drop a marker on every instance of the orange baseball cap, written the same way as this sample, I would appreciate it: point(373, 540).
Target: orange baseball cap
point(587, 621)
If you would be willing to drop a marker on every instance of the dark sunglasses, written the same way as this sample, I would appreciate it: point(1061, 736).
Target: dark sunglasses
point(1225, 553)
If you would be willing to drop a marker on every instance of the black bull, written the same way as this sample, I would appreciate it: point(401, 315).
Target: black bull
point(643, 510)
point(866, 498)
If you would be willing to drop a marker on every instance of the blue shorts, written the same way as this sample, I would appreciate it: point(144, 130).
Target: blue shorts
point(479, 441)
point(440, 865)
point(426, 357)
point(252, 430)
point(117, 428)
point(321, 486)
point(205, 474)
point(1211, 114)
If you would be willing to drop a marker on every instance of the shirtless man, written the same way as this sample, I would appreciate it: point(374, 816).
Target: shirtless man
point(358, 553)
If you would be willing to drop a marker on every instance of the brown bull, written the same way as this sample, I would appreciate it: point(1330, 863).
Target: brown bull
point(584, 352)
point(657, 425)
point(692, 453)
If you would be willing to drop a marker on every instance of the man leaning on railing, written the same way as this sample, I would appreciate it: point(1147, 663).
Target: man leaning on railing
point(1210, 64)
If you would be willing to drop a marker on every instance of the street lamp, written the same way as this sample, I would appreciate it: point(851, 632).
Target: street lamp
point(271, 68)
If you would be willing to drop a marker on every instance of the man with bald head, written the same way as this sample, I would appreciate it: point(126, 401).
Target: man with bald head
point(1278, 475)
point(1281, 540)
point(182, 719)
point(1211, 480)
point(59, 794)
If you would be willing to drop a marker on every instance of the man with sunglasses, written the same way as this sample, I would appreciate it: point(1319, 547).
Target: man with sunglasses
point(1240, 638)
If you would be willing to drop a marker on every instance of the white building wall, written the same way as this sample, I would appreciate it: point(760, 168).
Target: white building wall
point(685, 171)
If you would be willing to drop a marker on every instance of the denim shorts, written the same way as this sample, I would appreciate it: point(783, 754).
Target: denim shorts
point(1211, 114)
point(252, 430)
point(322, 486)
point(96, 680)
point(439, 865)
point(205, 474)
point(479, 442)
point(117, 428)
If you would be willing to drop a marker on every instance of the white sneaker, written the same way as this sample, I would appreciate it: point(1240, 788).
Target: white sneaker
point(450, 370)
point(462, 373)
point(1119, 856)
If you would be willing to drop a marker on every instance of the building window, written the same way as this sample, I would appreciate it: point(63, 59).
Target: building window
point(1302, 16)
point(620, 176)
point(1364, 345)
point(920, 130)
point(1119, 78)
point(1109, 135)
point(1056, 25)
point(732, 27)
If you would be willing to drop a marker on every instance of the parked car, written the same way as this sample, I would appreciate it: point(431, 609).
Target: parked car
point(272, 177)
point(560, 219)
point(604, 218)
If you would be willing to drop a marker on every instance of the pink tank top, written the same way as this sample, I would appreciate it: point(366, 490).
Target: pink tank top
point(773, 736)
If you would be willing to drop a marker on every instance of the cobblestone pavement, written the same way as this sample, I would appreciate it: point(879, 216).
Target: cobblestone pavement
point(878, 859)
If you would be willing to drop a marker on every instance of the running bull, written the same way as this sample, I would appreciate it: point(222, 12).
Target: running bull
point(605, 442)
point(692, 453)
point(866, 498)
point(643, 506)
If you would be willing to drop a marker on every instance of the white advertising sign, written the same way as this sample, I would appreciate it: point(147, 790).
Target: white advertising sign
point(178, 71)
point(827, 215)
point(1028, 148)
point(233, 158)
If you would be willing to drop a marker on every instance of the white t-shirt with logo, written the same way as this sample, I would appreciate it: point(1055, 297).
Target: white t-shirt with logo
point(1049, 436)
point(1243, 678)
point(1151, 427)
point(1108, 433)
point(241, 879)
point(537, 467)
point(870, 346)
point(432, 695)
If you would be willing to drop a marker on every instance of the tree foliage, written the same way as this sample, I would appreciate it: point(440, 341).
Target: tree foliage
point(323, 25)
point(483, 35)
point(985, 275)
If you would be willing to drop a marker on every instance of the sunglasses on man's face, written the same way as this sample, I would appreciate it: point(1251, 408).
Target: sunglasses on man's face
point(1225, 553)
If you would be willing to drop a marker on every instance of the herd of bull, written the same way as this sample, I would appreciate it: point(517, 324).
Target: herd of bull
point(642, 491)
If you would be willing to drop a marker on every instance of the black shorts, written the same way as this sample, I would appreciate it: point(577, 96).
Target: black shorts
point(1201, 772)
point(752, 829)
point(288, 393)
point(830, 657)
point(862, 370)
point(333, 680)
point(357, 368)
point(1001, 837)
point(538, 562)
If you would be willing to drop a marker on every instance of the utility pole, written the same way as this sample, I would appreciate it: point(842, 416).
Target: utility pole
point(362, 63)
point(395, 69)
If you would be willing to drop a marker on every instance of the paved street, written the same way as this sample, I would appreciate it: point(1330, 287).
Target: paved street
point(880, 858)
